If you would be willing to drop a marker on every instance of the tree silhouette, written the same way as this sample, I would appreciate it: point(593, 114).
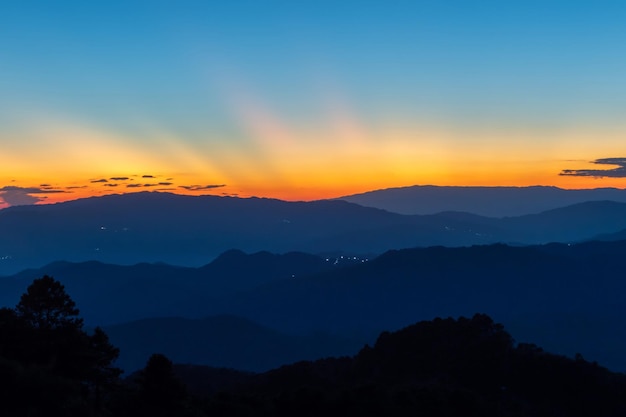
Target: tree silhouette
point(45, 347)
point(161, 391)
point(46, 306)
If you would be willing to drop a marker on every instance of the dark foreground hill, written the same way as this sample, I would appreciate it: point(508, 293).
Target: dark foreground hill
point(184, 230)
point(444, 367)
point(225, 341)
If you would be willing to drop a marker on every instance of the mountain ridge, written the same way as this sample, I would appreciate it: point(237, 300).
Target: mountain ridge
point(490, 201)
point(190, 231)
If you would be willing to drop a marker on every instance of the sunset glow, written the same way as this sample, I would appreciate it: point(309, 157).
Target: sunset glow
point(306, 102)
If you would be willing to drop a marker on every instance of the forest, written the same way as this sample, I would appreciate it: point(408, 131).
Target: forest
point(51, 365)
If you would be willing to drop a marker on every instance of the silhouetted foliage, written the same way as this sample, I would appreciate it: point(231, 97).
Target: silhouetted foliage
point(444, 367)
point(52, 366)
point(46, 306)
point(156, 391)
point(49, 366)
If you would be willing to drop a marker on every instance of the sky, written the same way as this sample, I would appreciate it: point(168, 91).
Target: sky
point(302, 100)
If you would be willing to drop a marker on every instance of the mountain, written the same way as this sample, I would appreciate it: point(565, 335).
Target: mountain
point(562, 296)
point(110, 293)
point(224, 341)
point(557, 295)
point(484, 201)
point(442, 367)
point(183, 230)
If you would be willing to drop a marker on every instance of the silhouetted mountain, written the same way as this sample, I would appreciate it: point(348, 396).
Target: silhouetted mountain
point(621, 235)
point(114, 293)
point(568, 224)
point(561, 296)
point(225, 341)
point(485, 201)
point(443, 367)
point(157, 227)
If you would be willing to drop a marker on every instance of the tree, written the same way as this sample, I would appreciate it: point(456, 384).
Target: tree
point(46, 341)
point(46, 306)
point(102, 374)
point(161, 391)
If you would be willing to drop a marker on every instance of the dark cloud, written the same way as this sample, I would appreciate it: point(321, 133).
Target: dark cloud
point(133, 185)
point(150, 185)
point(147, 176)
point(119, 178)
point(100, 180)
point(618, 172)
point(45, 185)
point(20, 196)
point(201, 187)
point(165, 183)
point(73, 187)
point(111, 185)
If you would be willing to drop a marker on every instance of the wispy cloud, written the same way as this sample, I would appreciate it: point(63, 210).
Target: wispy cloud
point(618, 172)
point(201, 187)
point(20, 196)
point(99, 180)
point(119, 178)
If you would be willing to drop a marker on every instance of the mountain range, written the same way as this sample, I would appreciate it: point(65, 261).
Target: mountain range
point(566, 297)
point(484, 201)
point(191, 231)
point(312, 279)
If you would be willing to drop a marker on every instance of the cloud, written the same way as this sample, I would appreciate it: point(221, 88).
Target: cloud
point(201, 187)
point(100, 180)
point(20, 196)
point(618, 172)
point(165, 183)
point(111, 185)
point(133, 185)
point(147, 176)
point(119, 178)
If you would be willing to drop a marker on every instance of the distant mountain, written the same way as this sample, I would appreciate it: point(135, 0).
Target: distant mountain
point(573, 223)
point(484, 201)
point(109, 293)
point(224, 341)
point(184, 230)
point(561, 296)
point(621, 235)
